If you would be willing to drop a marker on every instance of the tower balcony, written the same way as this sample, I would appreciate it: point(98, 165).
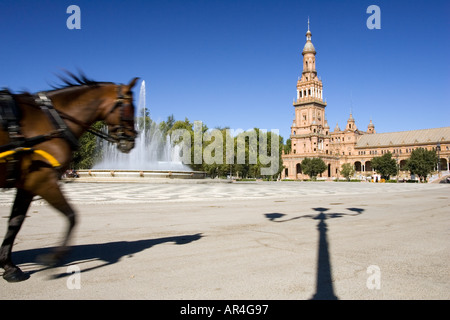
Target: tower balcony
point(309, 99)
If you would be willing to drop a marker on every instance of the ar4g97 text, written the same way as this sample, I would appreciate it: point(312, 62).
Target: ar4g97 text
point(246, 309)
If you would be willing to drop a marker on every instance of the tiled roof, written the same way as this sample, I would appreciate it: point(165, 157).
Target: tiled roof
point(413, 137)
point(309, 47)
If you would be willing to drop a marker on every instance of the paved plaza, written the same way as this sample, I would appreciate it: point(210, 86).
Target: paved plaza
point(188, 190)
point(253, 240)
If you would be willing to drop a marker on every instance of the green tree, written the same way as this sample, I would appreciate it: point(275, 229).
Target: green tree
point(281, 145)
point(89, 150)
point(385, 165)
point(214, 157)
point(186, 125)
point(313, 167)
point(251, 161)
point(422, 162)
point(167, 125)
point(347, 170)
point(247, 142)
point(287, 147)
point(144, 121)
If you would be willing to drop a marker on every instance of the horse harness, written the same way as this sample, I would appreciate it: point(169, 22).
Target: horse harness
point(10, 116)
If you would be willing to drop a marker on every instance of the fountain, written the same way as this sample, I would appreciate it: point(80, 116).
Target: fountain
point(154, 156)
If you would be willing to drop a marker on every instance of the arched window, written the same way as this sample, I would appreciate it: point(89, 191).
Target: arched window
point(443, 164)
point(368, 166)
point(298, 168)
point(403, 165)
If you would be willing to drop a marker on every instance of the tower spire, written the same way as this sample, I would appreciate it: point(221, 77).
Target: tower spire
point(309, 86)
point(308, 46)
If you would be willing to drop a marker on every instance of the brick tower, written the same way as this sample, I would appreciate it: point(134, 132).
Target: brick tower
point(309, 128)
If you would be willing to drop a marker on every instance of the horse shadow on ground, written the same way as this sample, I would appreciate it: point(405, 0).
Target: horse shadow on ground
point(109, 253)
point(324, 282)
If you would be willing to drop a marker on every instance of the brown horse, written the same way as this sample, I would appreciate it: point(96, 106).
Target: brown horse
point(77, 107)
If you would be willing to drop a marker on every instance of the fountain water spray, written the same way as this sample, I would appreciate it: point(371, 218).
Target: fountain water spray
point(152, 150)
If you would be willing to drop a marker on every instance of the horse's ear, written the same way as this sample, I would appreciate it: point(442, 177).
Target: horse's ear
point(132, 83)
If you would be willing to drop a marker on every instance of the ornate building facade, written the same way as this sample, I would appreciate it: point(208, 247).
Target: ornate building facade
point(311, 136)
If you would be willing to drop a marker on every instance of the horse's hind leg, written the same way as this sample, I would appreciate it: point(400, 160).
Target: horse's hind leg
point(20, 207)
point(53, 195)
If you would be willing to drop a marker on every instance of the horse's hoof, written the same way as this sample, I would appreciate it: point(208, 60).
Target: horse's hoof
point(15, 275)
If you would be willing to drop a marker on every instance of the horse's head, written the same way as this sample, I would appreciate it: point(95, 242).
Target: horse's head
point(120, 119)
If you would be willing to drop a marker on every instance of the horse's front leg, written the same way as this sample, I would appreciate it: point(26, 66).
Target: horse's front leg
point(53, 195)
point(20, 207)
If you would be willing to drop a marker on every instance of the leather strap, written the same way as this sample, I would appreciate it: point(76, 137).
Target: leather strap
point(47, 107)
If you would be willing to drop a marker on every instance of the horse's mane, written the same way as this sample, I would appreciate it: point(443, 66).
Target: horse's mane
point(71, 80)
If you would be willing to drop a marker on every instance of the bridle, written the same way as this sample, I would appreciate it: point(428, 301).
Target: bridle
point(126, 114)
point(118, 134)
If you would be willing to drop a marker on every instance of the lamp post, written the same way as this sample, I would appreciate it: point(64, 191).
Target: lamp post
point(438, 149)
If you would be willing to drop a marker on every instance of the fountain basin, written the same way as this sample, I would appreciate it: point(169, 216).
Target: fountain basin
point(137, 175)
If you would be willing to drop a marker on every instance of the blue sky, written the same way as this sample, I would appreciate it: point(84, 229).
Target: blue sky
point(235, 63)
